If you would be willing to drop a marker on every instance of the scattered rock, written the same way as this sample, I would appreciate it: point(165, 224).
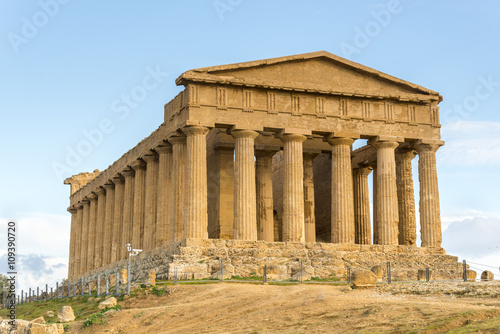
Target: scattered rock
point(66, 314)
point(363, 279)
point(50, 314)
point(471, 274)
point(378, 271)
point(110, 302)
point(39, 320)
point(20, 324)
point(109, 296)
point(487, 276)
point(110, 313)
point(35, 328)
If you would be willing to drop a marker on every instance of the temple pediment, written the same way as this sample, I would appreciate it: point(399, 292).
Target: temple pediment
point(319, 72)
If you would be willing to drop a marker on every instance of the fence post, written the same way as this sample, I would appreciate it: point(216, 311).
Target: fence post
point(348, 275)
point(107, 285)
point(389, 272)
point(90, 289)
point(30, 296)
point(57, 290)
point(464, 270)
point(81, 281)
point(175, 275)
point(98, 285)
point(221, 270)
point(265, 274)
point(427, 274)
point(37, 293)
point(22, 295)
point(300, 272)
point(117, 283)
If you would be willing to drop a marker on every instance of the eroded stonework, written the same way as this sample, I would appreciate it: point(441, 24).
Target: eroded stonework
point(261, 152)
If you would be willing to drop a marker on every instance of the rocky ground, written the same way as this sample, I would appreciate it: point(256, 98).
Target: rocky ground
point(435, 307)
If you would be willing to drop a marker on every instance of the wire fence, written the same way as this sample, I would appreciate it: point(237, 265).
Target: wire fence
point(119, 282)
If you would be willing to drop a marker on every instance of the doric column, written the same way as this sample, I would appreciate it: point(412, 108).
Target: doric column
point(163, 198)
point(342, 194)
point(264, 194)
point(245, 214)
point(85, 235)
point(387, 199)
point(99, 236)
point(430, 218)
point(196, 223)
point(293, 187)
point(108, 223)
point(150, 201)
point(406, 199)
point(92, 232)
point(178, 188)
point(78, 239)
point(137, 236)
point(363, 235)
point(72, 237)
point(309, 207)
point(128, 213)
point(375, 205)
point(117, 244)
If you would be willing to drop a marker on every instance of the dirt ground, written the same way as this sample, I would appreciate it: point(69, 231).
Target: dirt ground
point(248, 308)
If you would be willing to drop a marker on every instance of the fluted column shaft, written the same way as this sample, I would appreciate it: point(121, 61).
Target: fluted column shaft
point(375, 205)
point(163, 195)
point(293, 187)
point(245, 201)
point(108, 223)
point(363, 235)
point(342, 194)
point(99, 236)
point(264, 195)
point(78, 239)
point(178, 187)
point(118, 244)
point(406, 198)
point(128, 213)
point(430, 218)
point(92, 232)
point(150, 202)
point(309, 207)
point(137, 237)
point(387, 199)
point(72, 237)
point(196, 213)
point(85, 236)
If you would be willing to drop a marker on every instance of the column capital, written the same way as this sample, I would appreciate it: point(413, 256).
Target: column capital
point(138, 164)
point(109, 186)
point(194, 130)
point(92, 197)
point(292, 137)
point(150, 158)
point(118, 179)
point(162, 149)
point(100, 191)
point(427, 145)
point(406, 150)
point(72, 209)
point(79, 205)
point(127, 173)
point(384, 144)
point(244, 134)
point(340, 141)
point(363, 170)
point(175, 140)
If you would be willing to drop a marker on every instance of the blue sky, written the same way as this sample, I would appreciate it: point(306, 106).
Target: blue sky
point(65, 67)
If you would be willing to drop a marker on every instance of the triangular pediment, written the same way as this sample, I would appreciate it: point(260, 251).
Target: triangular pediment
point(318, 71)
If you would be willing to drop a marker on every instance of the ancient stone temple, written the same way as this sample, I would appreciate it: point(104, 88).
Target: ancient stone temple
point(256, 157)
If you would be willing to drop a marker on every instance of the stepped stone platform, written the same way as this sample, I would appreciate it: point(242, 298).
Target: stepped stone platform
point(199, 259)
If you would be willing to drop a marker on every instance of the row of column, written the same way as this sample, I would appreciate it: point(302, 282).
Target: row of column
point(162, 197)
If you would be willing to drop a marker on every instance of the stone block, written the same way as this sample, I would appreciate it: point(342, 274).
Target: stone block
point(471, 275)
point(65, 314)
point(378, 271)
point(363, 279)
point(487, 276)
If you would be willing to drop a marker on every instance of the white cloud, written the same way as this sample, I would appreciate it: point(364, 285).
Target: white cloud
point(470, 144)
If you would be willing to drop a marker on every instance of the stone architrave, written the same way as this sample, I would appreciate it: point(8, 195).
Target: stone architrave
point(264, 194)
point(72, 237)
point(108, 223)
point(430, 219)
point(406, 199)
point(293, 187)
point(362, 222)
point(150, 201)
point(128, 212)
point(92, 232)
point(387, 199)
point(117, 244)
point(163, 195)
point(99, 235)
point(245, 203)
point(309, 207)
point(195, 207)
point(178, 187)
point(342, 194)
